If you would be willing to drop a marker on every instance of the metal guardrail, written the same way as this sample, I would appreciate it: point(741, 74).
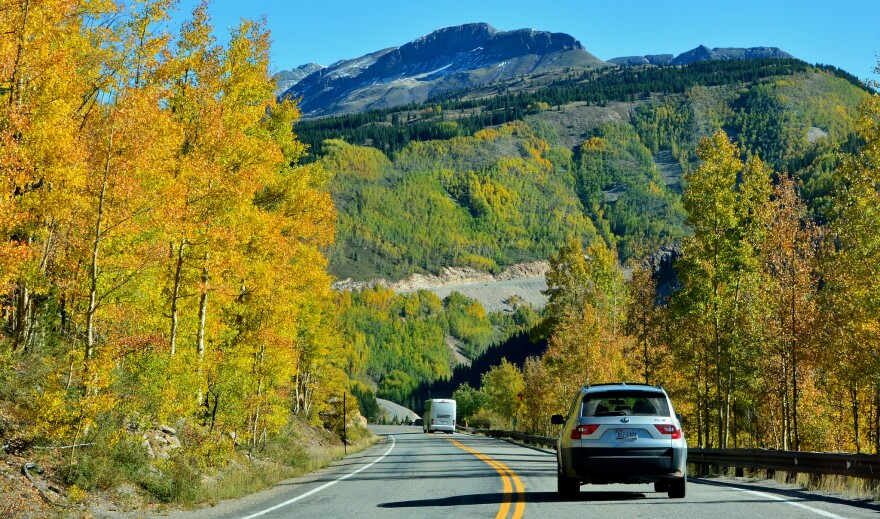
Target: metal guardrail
point(544, 441)
point(792, 462)
point(835, 463)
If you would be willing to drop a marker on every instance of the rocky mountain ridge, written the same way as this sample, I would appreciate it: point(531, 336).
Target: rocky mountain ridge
point(461, 58)
point(703, 53)
point(287, 78)
point(446, 60)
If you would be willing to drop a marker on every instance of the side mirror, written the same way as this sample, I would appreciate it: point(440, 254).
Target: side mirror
point(557, 419)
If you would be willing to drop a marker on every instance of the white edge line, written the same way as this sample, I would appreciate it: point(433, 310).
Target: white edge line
point(792, 503)
point(322, 487)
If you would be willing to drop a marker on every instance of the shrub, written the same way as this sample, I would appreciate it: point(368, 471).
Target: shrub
point(285, 449)
point(101, 469)
point(482, 419)
point(178, 481)
point(92, 473)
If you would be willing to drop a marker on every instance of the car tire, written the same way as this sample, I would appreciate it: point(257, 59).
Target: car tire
point(566, 486)
point(678, 488)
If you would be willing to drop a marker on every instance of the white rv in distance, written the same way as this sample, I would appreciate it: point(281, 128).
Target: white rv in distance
point(439, 415)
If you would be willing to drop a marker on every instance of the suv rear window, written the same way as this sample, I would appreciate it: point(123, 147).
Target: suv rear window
point(627, 402)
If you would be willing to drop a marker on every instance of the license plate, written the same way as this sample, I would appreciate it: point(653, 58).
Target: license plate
point(623, 434)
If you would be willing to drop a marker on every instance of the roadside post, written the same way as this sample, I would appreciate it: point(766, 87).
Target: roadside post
point(344, 439)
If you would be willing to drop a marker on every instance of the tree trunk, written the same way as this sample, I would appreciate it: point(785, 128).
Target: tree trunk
point(96, 248)
point(728, 398)
point(203, 312)
point(796, 440)
point(258, 364)
point(21, 317)
point(854, 401)
point(175, 297)
point(786, 433)
point(876, 419)
point(16, 82)
point(735, 427)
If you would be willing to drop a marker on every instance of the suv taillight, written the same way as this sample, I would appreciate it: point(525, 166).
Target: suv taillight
point(670, 429)
point(583, 430)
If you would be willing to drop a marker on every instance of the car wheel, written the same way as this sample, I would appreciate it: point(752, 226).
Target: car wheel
point(566, 486)
point(678, 487)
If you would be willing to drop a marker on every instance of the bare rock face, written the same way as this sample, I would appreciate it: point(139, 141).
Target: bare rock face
point(160, 441)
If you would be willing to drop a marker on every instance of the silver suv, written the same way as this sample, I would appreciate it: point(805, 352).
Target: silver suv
point(621, 433)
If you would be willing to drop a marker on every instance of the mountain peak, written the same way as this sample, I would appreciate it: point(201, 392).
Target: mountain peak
point(479, 29)
point(448, 59)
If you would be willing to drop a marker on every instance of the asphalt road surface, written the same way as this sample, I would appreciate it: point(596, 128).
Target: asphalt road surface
point(410, 474)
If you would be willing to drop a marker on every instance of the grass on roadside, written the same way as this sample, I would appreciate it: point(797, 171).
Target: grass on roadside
point(249, 476)
point(126, 475)
point(850, 487)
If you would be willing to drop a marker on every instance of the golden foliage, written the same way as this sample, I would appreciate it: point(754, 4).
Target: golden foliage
point(149, 199)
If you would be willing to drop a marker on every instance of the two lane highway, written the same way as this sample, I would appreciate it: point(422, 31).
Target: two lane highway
point(408, 474)
point(411, 474)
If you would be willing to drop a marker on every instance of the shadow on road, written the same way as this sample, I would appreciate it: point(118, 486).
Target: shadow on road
point(498, 498)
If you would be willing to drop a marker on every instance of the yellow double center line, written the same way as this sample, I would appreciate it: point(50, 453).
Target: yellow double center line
point(507, 476)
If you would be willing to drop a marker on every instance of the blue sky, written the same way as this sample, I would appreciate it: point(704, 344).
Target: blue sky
point(844, 33)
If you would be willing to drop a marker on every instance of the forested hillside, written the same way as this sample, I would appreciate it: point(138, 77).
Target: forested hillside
point(755, 182)
point(594, 155)
point(405, 341)
point(769, 340)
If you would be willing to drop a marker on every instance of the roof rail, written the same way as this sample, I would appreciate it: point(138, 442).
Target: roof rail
point(624, 383)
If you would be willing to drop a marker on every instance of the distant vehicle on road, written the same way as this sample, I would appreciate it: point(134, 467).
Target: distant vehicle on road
point(439, 415)
point(621, 433)
point(418, 421)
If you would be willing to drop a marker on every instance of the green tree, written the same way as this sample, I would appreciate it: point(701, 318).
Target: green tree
point(469, 401)
point(503, 385)
point(644, 324)
point(725, 200)
point(852, 294)
point(790, 264)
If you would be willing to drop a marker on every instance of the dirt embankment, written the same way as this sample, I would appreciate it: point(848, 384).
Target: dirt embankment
point(450, 276)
